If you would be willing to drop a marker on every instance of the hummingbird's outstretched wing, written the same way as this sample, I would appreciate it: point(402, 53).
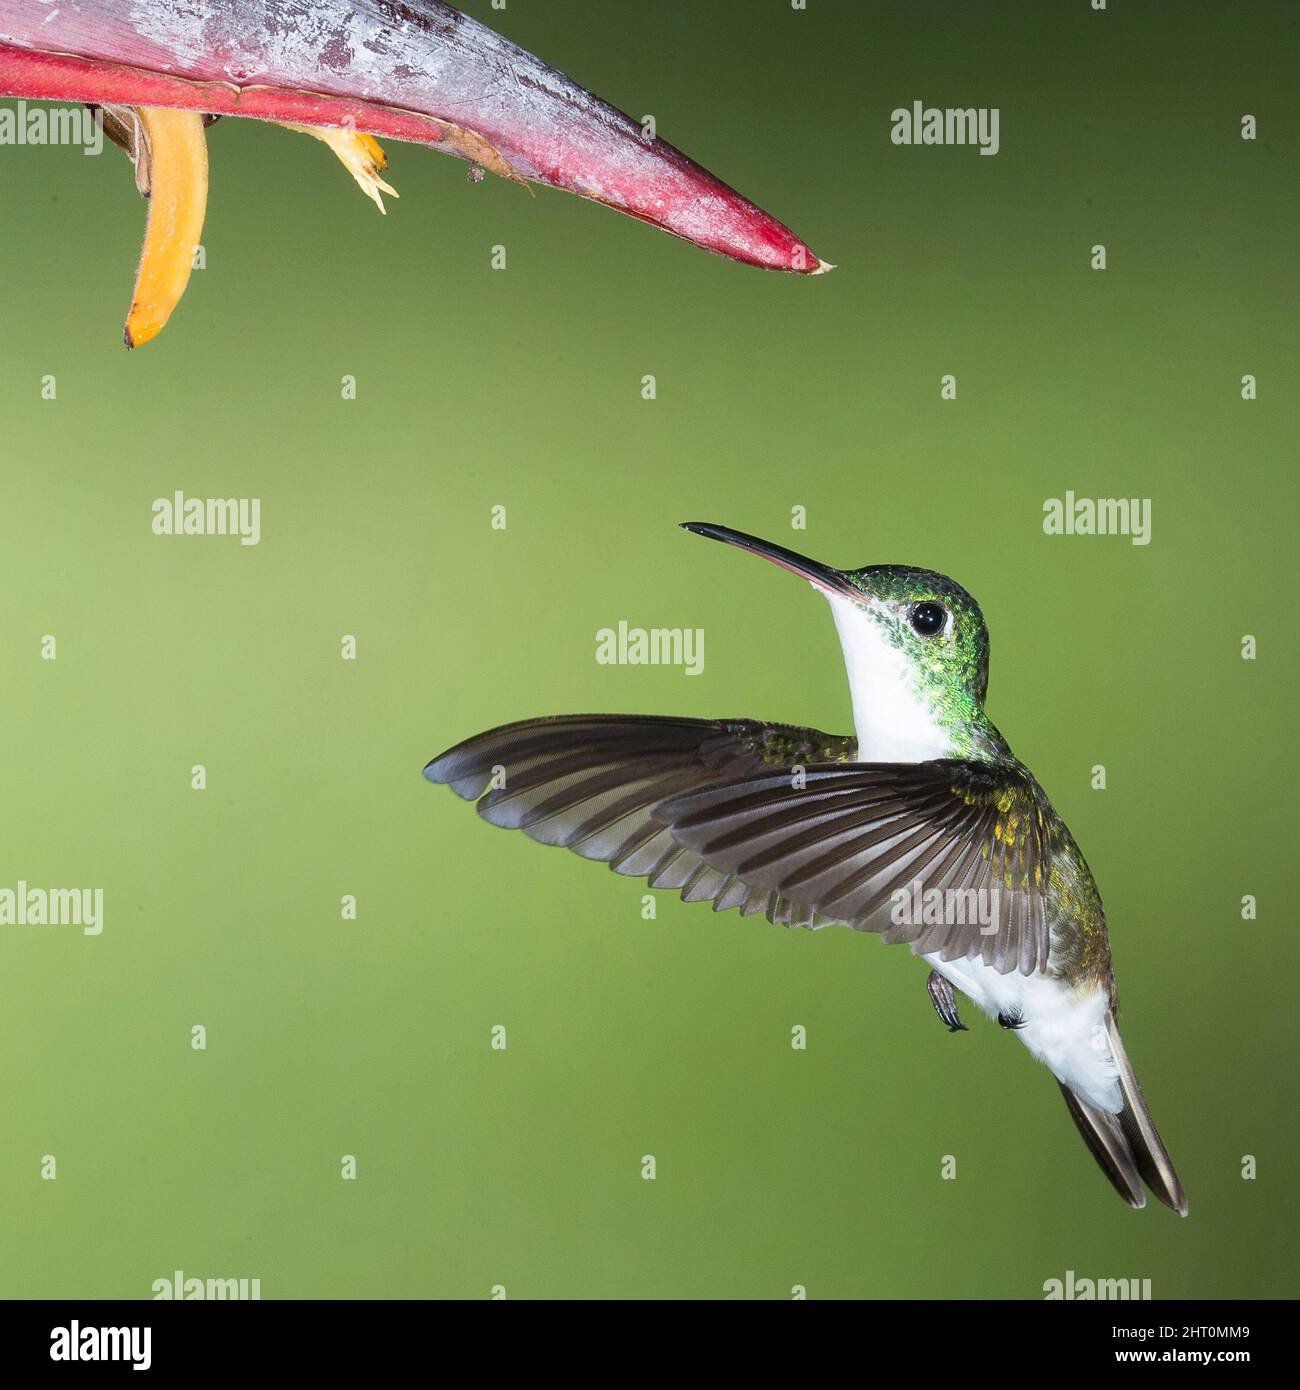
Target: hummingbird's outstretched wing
point(591, 783)
point(776, 819)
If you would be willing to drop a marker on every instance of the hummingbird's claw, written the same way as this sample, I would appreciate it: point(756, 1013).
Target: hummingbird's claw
point(945, 1002)
point(1014, 1021)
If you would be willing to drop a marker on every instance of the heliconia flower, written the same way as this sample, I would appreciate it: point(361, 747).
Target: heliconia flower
point(348, 71)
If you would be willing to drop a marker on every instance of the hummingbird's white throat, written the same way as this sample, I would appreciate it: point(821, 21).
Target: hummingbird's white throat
point(892, 718)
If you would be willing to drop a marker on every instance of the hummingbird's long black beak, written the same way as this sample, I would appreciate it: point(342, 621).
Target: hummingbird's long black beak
point(832, 581)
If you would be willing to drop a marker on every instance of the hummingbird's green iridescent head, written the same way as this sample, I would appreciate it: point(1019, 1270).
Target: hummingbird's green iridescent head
point(915, 645)
point(931, 618)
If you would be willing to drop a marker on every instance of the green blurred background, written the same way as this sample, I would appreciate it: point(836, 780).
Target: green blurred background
point(522, 388)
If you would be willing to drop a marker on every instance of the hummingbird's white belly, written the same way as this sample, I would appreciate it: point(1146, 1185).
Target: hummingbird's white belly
point(1064, 1028)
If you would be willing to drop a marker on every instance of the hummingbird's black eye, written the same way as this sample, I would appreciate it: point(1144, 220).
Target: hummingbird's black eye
point(928, 619)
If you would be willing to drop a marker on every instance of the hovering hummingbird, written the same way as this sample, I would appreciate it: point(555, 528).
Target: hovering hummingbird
point(814, 829)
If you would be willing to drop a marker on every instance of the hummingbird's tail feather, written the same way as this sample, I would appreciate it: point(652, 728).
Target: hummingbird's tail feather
point(1144, 1139)
point(1106, 1142)
point(1127, 1146)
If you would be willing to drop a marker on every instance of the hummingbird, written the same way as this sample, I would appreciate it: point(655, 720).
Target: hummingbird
point(921, 826)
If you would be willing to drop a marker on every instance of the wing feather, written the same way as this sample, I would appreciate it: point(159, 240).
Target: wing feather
point(777, 819)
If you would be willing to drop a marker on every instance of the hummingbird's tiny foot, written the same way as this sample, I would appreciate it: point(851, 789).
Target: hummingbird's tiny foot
point(1015, 1021)
point(945, 1002)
